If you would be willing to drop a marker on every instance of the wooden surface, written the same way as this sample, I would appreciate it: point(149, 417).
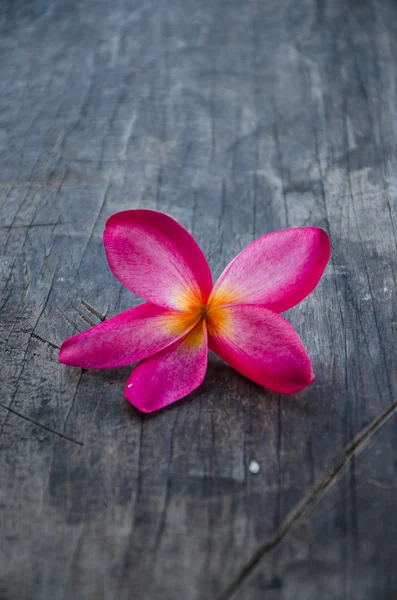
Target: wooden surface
point(237, 118)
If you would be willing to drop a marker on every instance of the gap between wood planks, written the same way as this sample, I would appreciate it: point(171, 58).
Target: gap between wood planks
point(308, 503)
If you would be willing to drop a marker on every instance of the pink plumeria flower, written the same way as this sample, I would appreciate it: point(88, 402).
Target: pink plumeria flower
point(185, 314)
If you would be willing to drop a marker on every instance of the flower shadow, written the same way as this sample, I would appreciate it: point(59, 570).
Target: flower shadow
point(223, 390)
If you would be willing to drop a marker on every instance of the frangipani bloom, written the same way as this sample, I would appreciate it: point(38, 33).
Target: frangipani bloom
point(185, 314)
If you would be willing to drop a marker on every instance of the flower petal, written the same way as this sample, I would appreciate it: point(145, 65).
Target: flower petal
point(171, 374)
point(261, 345)
point(126, 338)
point(278, 270)
point(157, 259)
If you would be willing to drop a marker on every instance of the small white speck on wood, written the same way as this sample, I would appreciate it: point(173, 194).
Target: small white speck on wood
point(254, 467)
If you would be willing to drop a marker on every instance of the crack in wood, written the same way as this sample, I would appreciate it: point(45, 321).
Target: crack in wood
point(41, 339)
point(92, 310)
point(33, 422)
point(84, 317)
point(34, 225)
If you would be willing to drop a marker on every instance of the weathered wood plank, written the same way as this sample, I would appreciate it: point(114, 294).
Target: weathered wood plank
point(236, 118)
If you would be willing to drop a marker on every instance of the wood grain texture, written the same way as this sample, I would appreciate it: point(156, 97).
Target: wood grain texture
point(236, 118)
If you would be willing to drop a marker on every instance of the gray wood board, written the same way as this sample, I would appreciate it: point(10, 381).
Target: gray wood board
point(236, 118)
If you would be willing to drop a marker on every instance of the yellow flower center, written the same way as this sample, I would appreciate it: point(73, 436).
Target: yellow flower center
point(215, 317)
point(194, 311)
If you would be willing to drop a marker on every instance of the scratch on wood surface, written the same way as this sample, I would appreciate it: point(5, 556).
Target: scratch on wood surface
point(102, 204)
point(73, 401)
point(308, 503)
point(8, 295)
point(41, 339)
point(39, 225)
point(72, 323)
point(33, 422)
point(380, 484)
point(27, 276)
